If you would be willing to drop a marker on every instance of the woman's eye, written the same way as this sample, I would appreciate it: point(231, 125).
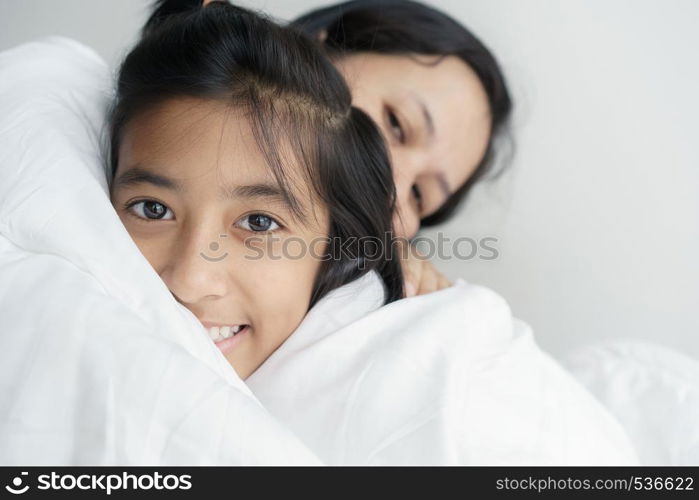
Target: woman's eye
point(150, 210)
point(258, 223)
point(395, 126)
point(417, 194)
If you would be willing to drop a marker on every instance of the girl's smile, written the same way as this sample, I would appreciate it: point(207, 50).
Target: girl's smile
point(226, 337)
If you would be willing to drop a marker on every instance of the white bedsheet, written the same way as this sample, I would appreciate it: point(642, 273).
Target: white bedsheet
point(98, 363)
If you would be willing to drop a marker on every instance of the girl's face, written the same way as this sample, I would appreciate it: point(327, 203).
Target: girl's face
point(197, 196)
point(435, 115)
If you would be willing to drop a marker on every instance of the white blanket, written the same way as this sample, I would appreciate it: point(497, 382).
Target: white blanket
point(651, 389)
point(445, 378)
point(98, 364)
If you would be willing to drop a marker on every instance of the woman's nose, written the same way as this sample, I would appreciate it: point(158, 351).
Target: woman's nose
point(406, 168)
point(194, 271)
point(406, 221)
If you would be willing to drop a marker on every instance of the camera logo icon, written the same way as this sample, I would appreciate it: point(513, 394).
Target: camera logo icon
point(16, 487)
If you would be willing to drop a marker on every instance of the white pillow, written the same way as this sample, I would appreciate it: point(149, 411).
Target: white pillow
point(98, 363)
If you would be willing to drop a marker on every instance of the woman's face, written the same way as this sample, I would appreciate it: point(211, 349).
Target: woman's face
point(197, 196)
point(435, 115)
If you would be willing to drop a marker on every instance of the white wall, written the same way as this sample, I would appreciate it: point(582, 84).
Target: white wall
point(598, 218)
point(599, 221)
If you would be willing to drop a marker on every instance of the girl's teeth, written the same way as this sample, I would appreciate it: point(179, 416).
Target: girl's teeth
point(217, 333)
point(214, 333)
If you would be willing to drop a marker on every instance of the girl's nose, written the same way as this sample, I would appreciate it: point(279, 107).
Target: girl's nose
point(197, 268)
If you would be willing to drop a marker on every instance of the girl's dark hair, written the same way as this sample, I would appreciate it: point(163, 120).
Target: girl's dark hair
point(407, 27)
point(293, 96)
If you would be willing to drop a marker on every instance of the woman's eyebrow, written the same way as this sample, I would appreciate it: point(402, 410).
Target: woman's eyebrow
point(426, 115)
point(428, 118)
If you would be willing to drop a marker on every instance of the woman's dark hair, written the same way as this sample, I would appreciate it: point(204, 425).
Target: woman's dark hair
point(407, 27)
point(293, 96)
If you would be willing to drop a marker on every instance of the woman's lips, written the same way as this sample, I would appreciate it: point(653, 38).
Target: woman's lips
point(226, 345)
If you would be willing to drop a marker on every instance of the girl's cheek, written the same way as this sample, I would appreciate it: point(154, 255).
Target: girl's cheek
point(287, 277)
point(154, 252)
point(155, 246)
point(279, 251)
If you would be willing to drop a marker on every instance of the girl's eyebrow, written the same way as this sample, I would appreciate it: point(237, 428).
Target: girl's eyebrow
point(139, 175)
point(268, 191)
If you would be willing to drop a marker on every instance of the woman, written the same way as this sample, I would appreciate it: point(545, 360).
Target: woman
point(435, 90)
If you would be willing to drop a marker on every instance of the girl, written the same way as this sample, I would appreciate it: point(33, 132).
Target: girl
point(244, 174)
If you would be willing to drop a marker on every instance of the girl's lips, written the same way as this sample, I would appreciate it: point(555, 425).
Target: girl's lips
point(226, 345)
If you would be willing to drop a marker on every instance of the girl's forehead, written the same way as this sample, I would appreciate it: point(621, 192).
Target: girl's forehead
point(207, 148)
point(187, 123)
point(196, 141)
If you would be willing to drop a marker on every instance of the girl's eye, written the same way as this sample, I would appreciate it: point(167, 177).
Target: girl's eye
point(417, 194)
point(150, 210)
point(395, 126)
point(258, 223)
